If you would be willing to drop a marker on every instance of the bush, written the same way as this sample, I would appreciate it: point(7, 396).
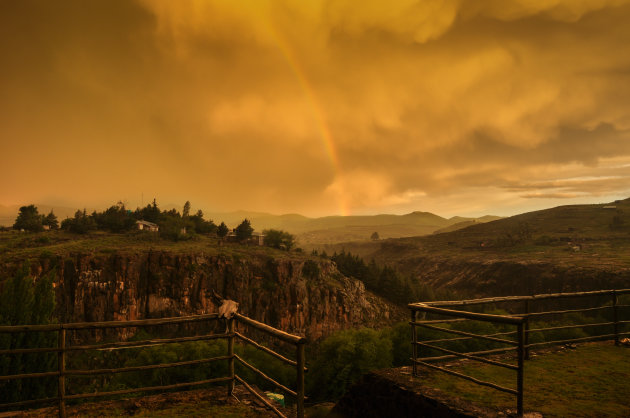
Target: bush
point(344, 357)
point(278, 239)
point(22, 303)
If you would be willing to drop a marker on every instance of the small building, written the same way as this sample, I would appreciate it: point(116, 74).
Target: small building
point(257, 238)
point(147, 226)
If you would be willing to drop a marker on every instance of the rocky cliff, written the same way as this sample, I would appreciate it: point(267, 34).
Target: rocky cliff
point(495, 277)
point(297, 295)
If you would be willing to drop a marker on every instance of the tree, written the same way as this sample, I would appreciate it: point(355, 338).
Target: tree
point(150, 213)
point(200, 225)
point(21, 303)
point(344, 357)
point(244, 230)
point(278, 239)
point(374, 236)
point(29, 219)
point(186, 212)
point(222, 230)
point(80, 224)
point(115, 219)
point(50, 221)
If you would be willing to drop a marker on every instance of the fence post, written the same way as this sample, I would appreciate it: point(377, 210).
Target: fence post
point(61, 364)
point(414, 339)
point(301, 363)
point(230, 330)
point(615, 316)
point(521, 364)
point(527, 312)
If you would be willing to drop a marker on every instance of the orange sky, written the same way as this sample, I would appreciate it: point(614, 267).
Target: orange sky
point(317, 107)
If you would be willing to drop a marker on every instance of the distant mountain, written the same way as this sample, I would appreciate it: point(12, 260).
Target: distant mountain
point(336, 229)
point(324, 230)
point(566, 248)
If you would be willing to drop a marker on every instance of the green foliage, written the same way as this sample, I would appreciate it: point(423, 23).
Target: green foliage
point(385, 281)
point(269, 365)
point(149, 213)
point(115, 219)
point(82, 223)
point(200, 225)
point(171, 353)
point(186, 211)
point(244, 230)
point(50, 221)
point(344, 357)
point(400, 336)
point(278, 239)
point(375, 236)
point(29, 219)
point(172, 227)
point(24, 302)
point(222, 230)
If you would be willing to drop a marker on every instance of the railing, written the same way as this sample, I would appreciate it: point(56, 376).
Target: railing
point(517, 340)
point(230, 335)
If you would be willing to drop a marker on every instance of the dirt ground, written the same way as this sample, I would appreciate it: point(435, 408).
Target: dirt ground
point(212, 402)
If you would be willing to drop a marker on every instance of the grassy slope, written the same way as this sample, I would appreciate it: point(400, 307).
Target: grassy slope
point(589, 381)
point(15, 246)
point(552, 234)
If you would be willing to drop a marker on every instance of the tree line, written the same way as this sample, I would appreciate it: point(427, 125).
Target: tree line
point(387, 281)
point(172, 224)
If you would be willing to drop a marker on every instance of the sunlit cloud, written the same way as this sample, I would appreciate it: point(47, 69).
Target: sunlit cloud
point(326, 107)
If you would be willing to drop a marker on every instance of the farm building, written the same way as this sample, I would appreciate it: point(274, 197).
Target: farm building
point(147, 226)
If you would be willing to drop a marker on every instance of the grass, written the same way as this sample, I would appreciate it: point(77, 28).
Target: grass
point(589, 381)
point(199, 409)
point(16, 246)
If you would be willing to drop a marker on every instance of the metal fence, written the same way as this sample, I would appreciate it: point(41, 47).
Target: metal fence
point(523, 310)
point(63, 350)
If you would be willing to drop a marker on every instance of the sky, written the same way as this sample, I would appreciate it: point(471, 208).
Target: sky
point(331, 107)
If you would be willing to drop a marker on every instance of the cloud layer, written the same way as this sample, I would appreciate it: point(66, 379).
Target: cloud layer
point(318, 107)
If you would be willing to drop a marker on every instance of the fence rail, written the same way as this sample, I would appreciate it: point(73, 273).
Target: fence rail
point(230, 335)
point(456, 315)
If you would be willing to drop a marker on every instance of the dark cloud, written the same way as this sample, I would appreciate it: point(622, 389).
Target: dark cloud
point(315, 107)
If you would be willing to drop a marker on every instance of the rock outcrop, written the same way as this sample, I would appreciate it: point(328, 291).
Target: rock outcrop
point(314, 301)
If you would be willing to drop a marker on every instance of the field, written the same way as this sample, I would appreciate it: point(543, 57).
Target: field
point(17, 246)
point(588, 381)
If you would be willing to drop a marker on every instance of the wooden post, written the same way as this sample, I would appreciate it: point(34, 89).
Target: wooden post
point(519, 377)
point(230, 329)
point(414, 339)
point(301, 363)
point(527, 312)
point(61, 363)
point(615, 316)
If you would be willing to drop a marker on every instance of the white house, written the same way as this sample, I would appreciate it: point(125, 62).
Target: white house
point(147, 226)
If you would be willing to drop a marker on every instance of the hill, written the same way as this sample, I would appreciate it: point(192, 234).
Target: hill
point(309, 232)
point(576, 247)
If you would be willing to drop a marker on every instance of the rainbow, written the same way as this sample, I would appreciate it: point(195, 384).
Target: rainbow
point(318, 114)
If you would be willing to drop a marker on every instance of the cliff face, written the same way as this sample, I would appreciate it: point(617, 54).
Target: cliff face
point(491, 277)
point(313, 301)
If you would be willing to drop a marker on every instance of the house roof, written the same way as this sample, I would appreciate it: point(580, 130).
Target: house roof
point(146, 223)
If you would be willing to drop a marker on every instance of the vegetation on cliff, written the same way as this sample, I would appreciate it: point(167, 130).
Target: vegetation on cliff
point(24, 301)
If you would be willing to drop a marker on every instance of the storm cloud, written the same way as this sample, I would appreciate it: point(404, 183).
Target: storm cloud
point(318, 107)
